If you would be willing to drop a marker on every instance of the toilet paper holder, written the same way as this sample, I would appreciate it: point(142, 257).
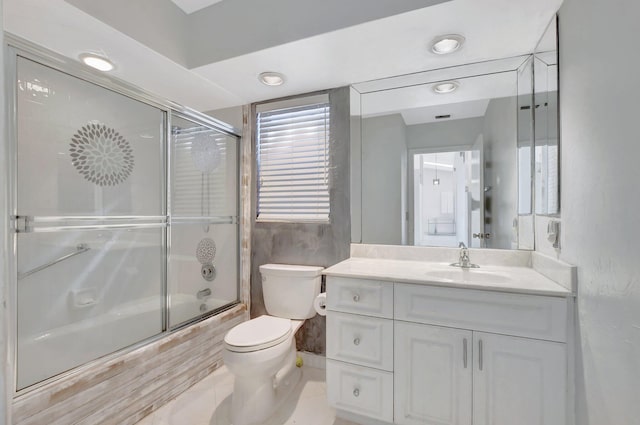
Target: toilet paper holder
point(323, 304)
point(320, 304)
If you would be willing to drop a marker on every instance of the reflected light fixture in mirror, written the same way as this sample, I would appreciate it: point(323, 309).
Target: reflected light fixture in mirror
point(436, 181)
point(97, 62)
point(446, 87)
point(446, 44)
point(271, 78)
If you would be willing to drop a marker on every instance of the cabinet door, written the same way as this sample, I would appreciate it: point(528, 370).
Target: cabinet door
point(433, 367)
point(518, 381)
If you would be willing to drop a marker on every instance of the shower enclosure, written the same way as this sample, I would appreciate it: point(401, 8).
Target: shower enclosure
point(125, 211)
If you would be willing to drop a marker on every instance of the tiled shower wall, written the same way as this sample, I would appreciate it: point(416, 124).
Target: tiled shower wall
point(321, 244)
point(124, 389)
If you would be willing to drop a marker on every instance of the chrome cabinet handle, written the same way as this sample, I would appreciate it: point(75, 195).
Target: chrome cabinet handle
point(356, 392)
point(356, 298)
point(480, 354)
point(464, 352)
point(356, 341)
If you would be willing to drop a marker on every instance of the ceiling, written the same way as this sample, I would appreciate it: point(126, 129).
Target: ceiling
point(206, 54)
point(190, 6)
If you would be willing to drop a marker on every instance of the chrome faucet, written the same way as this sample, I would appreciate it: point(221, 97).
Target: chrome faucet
point(464, 261)
point(203, 293)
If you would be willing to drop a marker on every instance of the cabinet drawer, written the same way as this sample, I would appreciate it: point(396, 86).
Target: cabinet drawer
point(360, 390)
point(360, 296)
point(531, 316)
point(367, 341)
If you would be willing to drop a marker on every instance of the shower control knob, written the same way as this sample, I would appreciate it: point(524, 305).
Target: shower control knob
point(208, 272)
point(356, 341)
point(356, 392)
point(356, 298)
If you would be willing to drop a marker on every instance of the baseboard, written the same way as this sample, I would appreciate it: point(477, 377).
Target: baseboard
point(317, 361)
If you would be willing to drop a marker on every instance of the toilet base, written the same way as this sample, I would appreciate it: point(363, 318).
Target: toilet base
point(255, 399)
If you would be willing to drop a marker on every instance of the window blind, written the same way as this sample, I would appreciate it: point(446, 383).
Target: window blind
point(293, 164)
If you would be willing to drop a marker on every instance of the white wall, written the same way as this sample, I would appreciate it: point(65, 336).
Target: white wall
point(599, 88)
point(446, 133)
point(384, 145)
point(231, 116)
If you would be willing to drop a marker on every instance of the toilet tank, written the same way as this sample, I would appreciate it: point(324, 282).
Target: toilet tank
point(289, 290)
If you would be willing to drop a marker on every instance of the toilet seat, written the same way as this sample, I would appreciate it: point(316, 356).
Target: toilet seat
point(258, 334)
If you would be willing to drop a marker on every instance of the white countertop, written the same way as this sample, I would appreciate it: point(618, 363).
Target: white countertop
point(514, 279)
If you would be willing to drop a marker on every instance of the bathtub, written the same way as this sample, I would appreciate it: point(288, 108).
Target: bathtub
point(47, 354)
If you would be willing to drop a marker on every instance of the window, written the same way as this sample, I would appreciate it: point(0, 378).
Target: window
point(293, 163)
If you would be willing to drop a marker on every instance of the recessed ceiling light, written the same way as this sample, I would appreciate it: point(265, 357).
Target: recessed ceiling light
point(97, 62)
point(446, 44)
point(271, 78)
point(446, 87)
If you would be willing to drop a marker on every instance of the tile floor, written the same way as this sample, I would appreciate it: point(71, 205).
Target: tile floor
point(208, 403)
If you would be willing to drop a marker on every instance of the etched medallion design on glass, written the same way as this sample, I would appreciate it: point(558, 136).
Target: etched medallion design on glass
point(206, 251)
point(101, 155)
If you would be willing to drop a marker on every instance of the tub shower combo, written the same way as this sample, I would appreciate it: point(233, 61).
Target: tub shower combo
point(126, 219)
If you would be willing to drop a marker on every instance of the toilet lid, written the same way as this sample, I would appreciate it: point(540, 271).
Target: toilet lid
point(258, 334)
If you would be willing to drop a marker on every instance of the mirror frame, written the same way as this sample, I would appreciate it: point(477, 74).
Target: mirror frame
point(524, 91)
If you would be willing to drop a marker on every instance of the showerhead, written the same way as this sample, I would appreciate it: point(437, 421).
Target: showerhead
point(205, 152)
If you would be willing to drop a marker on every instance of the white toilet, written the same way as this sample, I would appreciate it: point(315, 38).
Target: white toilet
point(261, 353)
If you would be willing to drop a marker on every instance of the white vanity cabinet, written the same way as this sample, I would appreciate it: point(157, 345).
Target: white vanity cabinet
point(360, 347)
point(493, 358)
point(460, 356)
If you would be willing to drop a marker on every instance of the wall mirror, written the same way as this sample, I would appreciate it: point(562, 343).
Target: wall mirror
point(445, 156)
point(547, 151)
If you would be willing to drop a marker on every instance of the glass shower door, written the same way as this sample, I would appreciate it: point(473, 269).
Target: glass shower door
point(91, 221)
point(203, 260)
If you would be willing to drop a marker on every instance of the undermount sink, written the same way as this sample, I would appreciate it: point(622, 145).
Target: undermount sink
point(469, 275)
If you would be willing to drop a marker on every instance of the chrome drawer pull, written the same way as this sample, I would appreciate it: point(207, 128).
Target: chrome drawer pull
point(356, 298)
point(480, 360)
point(356, 392)
point(464, 352)
point(356, 341)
